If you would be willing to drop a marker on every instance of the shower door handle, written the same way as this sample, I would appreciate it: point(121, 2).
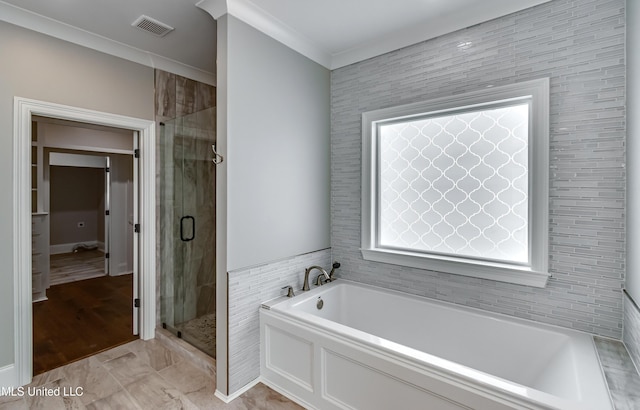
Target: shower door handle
point(193, 228)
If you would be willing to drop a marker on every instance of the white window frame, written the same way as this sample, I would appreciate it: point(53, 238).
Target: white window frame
point(533, 274)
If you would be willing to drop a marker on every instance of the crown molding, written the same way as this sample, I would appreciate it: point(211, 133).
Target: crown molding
point(250, 13)
point(54, 28)
point(259, 19)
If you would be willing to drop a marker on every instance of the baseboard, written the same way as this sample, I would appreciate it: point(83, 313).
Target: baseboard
point(8, 376)
point(100, 246)
point(68, 247)
point(228, 399)
point(121, 273)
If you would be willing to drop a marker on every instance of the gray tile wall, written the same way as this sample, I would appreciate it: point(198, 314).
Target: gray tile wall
point(579, 45)
point(248, 288)
point(631, 336)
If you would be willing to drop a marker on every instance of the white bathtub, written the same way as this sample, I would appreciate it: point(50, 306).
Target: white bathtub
point(369, 348)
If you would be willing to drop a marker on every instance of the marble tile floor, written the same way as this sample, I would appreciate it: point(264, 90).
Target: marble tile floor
point(621, 375)
point(138, 375)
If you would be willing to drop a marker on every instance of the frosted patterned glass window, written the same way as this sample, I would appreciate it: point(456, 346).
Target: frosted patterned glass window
point(457, 184)
point(460, 184)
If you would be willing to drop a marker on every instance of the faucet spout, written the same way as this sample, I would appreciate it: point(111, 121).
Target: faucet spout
point(307, 271)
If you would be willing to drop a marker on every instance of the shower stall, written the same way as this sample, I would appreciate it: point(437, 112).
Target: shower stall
point(187, 227)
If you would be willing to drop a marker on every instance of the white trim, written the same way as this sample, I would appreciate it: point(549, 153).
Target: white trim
point(480, 269)
point(261, 20)
point(121, 273)
point(255, 16)
point(89, 148)
point(64, 159)
point(24, 109)
point(228, 399)
point(54, 28)
point(222, 278)
point(68, 247)
point(536, 274)
point(7, 376)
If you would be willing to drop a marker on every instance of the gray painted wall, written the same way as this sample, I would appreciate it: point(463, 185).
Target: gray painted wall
point(273, 129)
point(277, 150)
point(39, 67)
point(633, 149)
point(579, 45)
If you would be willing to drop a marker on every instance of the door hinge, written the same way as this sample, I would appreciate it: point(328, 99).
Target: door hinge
point(106, 212)
point(136, 153)
point(136, 228)
point(107, 169)
point(136, 302)
point(106, 255)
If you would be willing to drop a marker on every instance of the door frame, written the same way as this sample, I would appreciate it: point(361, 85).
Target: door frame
point(24, 109)
point(107, 212)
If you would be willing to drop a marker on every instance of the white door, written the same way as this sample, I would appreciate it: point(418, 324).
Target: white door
point(107, 211)
point(136, 242)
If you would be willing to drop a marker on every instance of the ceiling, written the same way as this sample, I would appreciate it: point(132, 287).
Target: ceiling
point(332, 32)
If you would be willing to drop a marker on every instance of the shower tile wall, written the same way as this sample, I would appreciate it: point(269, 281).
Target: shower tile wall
point(188, 106)
point(248, 288)
point(631, 337)
point(579, 45)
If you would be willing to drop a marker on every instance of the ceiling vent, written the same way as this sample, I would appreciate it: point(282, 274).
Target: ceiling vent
point(153, 26)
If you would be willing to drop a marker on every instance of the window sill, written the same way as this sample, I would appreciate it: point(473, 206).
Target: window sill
point(477, 269)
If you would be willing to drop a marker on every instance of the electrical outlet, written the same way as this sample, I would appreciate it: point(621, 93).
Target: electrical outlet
point(80, 224)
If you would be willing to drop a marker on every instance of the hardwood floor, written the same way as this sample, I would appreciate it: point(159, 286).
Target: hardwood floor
point(80, 319)
point(69, 267)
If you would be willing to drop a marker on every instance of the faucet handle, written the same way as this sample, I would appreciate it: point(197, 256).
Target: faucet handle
point(290, 293)
point(319, 279)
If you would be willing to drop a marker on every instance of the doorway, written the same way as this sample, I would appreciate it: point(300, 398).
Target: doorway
point(86, 199)
point(25, 110)
point(78, 211)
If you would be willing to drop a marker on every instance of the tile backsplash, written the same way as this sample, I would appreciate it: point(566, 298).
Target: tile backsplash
point(248, 288)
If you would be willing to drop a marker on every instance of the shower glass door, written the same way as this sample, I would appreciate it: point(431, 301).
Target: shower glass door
point(187, 228)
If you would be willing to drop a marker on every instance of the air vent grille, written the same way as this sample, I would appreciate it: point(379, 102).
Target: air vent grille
point(153, 26)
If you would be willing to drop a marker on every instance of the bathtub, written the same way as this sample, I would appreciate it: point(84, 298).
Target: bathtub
point(352, 346)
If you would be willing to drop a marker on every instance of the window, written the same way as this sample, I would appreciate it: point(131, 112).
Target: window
point(460, 184)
